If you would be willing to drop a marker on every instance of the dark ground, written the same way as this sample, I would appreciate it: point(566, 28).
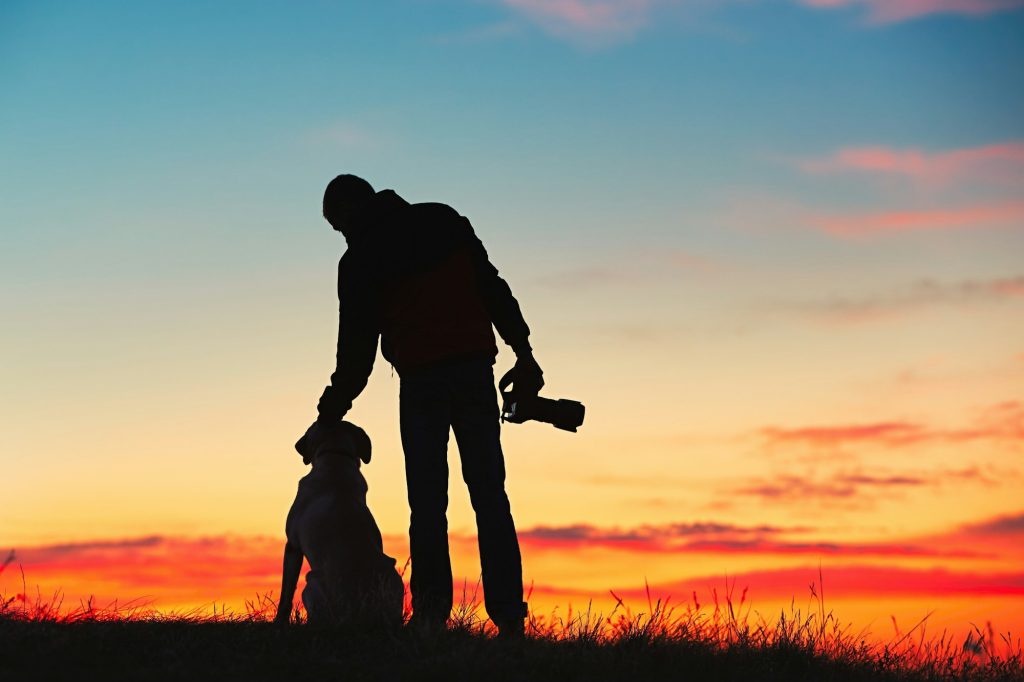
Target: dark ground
point(236, 650)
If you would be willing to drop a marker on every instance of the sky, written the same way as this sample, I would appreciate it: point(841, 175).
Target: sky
point(775, 246)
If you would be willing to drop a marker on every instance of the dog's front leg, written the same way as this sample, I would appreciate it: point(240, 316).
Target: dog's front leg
point(289, 579)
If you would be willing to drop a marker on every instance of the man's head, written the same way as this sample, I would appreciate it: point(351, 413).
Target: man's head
point(345, 201)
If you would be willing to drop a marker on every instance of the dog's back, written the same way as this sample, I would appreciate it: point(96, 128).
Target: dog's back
point(350, 577)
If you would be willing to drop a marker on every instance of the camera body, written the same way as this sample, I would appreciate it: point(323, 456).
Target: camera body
point(562, 414)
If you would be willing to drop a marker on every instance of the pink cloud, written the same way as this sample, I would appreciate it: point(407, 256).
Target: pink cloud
point(1003, 421)
point(892, 11)
point(986, 216)
point(997, 163)
point(596, 22)
point(1009, 286)
point(586, 20)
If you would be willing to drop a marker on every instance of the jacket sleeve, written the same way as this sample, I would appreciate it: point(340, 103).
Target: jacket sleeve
point(501, 305)
point(358, 332)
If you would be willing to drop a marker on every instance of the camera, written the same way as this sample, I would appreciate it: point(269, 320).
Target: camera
point(562, 414)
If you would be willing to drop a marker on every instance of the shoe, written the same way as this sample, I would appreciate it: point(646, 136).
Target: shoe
point(511, 629)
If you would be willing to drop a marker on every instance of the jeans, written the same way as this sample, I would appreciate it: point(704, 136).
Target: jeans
point(460, 396)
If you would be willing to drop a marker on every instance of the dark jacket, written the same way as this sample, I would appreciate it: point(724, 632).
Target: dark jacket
point(419, 279)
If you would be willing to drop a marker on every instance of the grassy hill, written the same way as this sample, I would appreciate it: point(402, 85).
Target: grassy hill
point(43, 641)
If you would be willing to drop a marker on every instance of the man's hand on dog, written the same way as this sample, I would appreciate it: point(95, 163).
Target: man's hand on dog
point(314, 437)
point(342, 435)
point(307, 444)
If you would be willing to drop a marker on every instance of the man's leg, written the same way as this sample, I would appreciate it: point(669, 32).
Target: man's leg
point(425, 418)
point(477, 430)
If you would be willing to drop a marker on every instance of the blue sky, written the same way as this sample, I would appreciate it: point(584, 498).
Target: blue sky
point(424, 95)
point(220, 119)
point(659, 181)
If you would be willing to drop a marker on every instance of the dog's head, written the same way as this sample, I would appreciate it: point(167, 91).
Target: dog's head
point(344, 438)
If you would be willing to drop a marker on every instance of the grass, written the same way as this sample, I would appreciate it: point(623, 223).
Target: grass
point(41, 638)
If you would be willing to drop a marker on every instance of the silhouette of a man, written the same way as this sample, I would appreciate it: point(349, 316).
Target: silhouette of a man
point(416, 277)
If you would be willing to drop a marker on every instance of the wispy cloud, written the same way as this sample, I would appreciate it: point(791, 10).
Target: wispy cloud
point(595, 23)
point(995, 171)
point(999, 164)
point(852, 488)
point(587, 22)
point(1012, 524)
point(893, 11)
point(146, 559)
point(887, 433)
point(52, 552)
point(852, 580)
point(1002, 214)
point(1003, 421)
point(920, 295)
point(167, 571)
point(184, 572)
point(793, 488)
point(716, 538)
point(652, 535)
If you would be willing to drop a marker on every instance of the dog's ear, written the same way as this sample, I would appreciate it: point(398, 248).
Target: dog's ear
point(304, 448)
point(360, 441)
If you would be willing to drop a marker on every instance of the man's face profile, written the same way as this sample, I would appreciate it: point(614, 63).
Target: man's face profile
point(340, 217)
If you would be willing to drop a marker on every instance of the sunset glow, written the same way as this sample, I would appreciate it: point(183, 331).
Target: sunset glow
point(775, 248)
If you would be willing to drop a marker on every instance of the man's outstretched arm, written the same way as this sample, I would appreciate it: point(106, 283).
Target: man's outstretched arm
point(358, 333)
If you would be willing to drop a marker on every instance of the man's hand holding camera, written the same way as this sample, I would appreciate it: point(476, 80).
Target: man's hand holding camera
point(527, 376)
point(521, 402)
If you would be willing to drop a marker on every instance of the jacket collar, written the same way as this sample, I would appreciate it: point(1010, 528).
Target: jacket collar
point(381, 209)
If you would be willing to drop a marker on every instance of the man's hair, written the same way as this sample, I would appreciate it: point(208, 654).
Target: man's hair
point(345, 190)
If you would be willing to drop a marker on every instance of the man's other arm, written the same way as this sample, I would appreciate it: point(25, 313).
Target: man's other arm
point(503, 308)
point(358, 331)
point(501, 305)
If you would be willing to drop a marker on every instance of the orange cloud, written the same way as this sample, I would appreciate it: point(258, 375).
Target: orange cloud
point(852, 487)
point(180, 571)
point(713, 538)
point(986, 216)
point(855, 580)
point(1010, 524)
point(194, 573)
point(1003, 421)
point(892, 11)
point(171, 571)
point(889, 433)
point(999, 163)
point(1001, 535)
